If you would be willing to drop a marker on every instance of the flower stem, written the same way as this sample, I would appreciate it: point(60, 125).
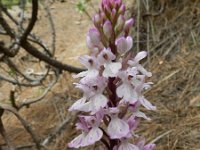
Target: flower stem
point(113, 143)
point(112, 88)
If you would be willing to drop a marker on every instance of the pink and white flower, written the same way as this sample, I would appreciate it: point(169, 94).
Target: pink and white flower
point(125, 145)
point(112, 85)
point(91, 133)
point(111, 68)
point(117, 128)
point(92, 67)
point(135, 63)
point(126, 89)
point(95, 100)
point(142, 146)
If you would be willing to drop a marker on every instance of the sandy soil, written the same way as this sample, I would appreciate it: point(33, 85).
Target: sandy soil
point(44, 117)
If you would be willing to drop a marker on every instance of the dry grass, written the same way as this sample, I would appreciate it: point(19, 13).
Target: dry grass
point(174, 60)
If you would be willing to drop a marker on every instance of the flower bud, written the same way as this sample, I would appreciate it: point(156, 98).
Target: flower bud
point(112, 3)
point(118, 3)
point(107, 11)
point(106, 8)
point(128, 24)
point(103, 17)
point(97, 20)
point(120, 23)
point(89, 43)
point(124, 44)
point(122, 9)
point(113, 13)
point(107, 29)
point(104, 3)
point(93, 38)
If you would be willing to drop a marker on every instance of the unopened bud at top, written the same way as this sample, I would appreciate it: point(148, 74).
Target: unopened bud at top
point(118, 3)
point(106, 7)
point(107, 29)
point(120, 23)
point(122, 9)
point(113, 13)
point(104, 3)
point(128, 24)
point(93, 38)
point(97, 20)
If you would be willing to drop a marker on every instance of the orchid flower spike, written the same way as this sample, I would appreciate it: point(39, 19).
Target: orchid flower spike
point(112, 85)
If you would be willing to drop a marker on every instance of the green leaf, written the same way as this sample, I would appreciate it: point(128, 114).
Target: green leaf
point(81, 6)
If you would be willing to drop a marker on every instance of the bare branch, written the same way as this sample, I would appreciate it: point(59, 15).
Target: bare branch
point(29, 47)
point(32, 21)
point(3, 132)
point(33, 51)
point(24, 123)
point(5, 25)
point(13, 66)
point(53, 31)
point(29, 102)
point(12, 99)
point(15, 82)
point(7, 51)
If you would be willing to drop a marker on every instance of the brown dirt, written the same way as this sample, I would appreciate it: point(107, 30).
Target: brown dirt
point(45, 116)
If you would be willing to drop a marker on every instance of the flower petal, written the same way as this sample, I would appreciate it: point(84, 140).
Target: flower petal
point(147, 104)
point(129, 41)
point(94, 135)
point(81, 74)
point(98, 101)
point(121, 45)
point(111, 69)
point(140, 56)
point(132, 122)
point(94, 36)
point(78, 104)
point(124, 91)
point(117, 128)
point(127, 146)
point(79, 141)
point(105, 56)
point(141, 115)
point(144, 71)
point(149, 147)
